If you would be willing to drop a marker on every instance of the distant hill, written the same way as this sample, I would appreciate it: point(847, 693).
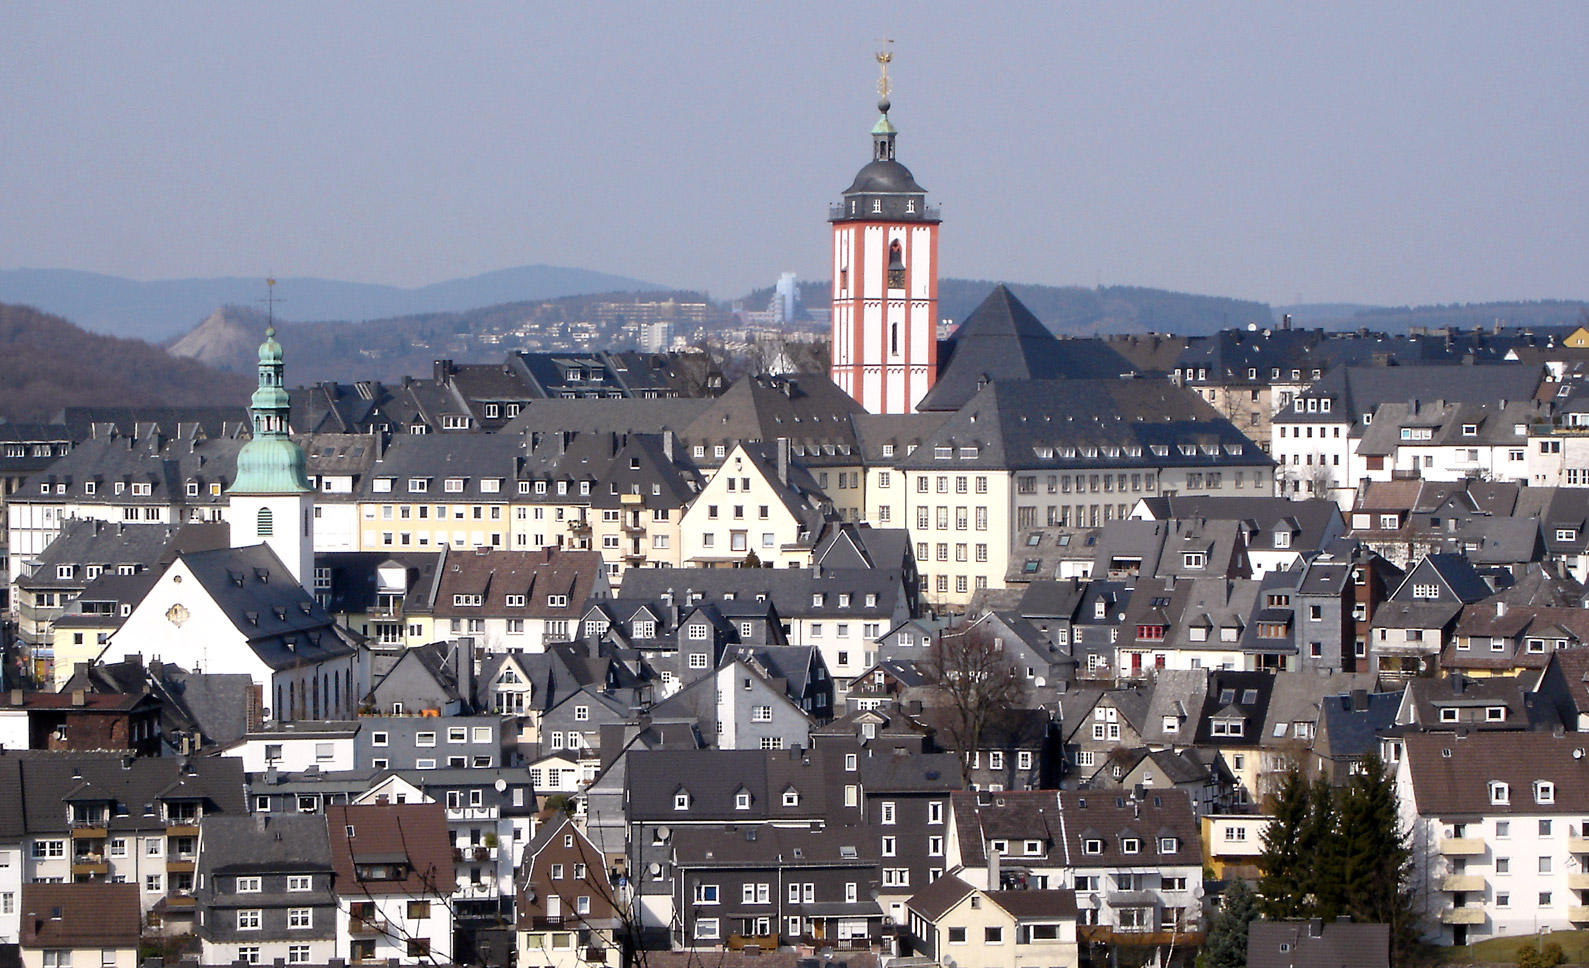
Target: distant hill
point(390, 348)
point(158, 310)
point(46, 363)
point(1078, 311)
point(1398, 319)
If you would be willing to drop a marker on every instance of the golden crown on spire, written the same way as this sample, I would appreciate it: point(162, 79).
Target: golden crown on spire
point(884, 86)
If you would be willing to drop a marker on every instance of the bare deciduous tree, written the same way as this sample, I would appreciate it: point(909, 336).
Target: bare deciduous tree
point(975, 683)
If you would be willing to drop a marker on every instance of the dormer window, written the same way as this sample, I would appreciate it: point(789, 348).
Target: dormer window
point(742, 800)
point(681, 800)
point(1470, 430)
point(1092, 845)
point(1500, 793)
point(791, 798)
point(1544, 791)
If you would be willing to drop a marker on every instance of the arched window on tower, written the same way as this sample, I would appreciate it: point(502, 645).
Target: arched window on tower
point(893, 338)
point(896, 265)
point(264, 523)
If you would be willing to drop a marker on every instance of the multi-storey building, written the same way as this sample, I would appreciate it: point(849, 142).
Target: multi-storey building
point(266, 890)
point(394, 882)
point(1495, 821)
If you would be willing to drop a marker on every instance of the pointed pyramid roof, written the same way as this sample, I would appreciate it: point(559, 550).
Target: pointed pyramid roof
point(1002, 340)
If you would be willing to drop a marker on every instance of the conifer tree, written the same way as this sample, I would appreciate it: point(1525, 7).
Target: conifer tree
point(1226, 944)
point(1375, 859)
point(1282, 862)
point(1319, 848)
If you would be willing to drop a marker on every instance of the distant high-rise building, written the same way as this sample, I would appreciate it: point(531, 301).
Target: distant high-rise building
point(786, 299)
point(885, 279)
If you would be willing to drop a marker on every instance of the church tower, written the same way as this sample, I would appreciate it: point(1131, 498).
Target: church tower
point(885, 279)
point(271, 499)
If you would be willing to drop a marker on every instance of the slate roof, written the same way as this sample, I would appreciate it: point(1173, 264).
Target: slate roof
point(264, 844)
point(1356, 390)
point(1299, 697)
point(355, 577)
point(763, 846)
point(45, 780)
point(1317, 944)
point(1352, 723)
point(1242, 694)
point(712, 777)
point(1306, 523)
point(1002, 340)
point(282, 622)
point(1029, 424)
point(808, 409)
point(1032, 905)
point(1458, 784)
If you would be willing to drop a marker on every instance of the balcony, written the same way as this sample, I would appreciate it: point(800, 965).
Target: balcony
point(1462, 882)
point(1462, 915)
point(176, 827)
point(1104, 934)
point(179, 902)
point(767, 942)
point(1578, 845)
point(89, 866)
point(361, 928)
point(579, 526)
point(90, 830)
point(1578, 882)
point(179, 866)
point(472, 813)
point(1462, 847)
point(1578, 913)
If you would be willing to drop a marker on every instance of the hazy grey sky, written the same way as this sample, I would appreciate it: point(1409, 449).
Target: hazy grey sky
point(1378, 152)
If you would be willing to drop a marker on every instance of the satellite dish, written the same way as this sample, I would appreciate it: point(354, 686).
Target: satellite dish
point(1577, 754)
point(662, 834)
point(655, 869)
point(501, 784)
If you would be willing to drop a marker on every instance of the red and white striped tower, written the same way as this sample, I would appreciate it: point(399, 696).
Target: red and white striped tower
point(885, 279)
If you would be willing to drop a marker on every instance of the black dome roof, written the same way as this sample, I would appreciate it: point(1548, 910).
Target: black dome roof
point(884, 177)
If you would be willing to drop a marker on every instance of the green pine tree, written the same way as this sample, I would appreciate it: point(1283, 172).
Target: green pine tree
point(1319, 847)
point(1281, 864)
point(1375, 859)
point(1226, 944)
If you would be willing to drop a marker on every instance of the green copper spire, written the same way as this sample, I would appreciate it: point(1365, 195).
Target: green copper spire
point(270, 463)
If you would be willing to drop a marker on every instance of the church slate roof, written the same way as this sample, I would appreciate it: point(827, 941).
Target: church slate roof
point(1002, 340)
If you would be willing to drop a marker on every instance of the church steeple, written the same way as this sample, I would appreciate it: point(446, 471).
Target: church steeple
point(270, 463)
point(271, 500)
point(885, 277)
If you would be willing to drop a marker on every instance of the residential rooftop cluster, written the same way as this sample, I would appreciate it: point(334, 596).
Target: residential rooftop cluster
point(996, 649)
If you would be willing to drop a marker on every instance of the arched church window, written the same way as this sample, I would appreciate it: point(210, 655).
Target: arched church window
point(264, 523)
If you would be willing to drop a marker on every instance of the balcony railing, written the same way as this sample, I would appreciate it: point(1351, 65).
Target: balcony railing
point(1462, 915)
point(1462, 846)
point(366, 928)
point(1462, 882)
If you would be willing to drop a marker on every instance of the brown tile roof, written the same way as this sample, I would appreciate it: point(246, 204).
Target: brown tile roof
point(80, 915)
point(1078, 816)
point(939, 897)
point(1036, 904)
point(495, 574)
point(1451, 773)
point(386, 833)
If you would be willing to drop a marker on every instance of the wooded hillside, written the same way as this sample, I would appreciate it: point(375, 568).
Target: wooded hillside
point(47, 363)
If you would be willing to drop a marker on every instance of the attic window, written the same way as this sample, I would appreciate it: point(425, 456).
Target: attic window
point(742, 800)
point(791, 798)
point(1500, 793)
point(1092, 845)
point(681, 800)
point(1470, 430)
point(418, 485)
point(1544, 791)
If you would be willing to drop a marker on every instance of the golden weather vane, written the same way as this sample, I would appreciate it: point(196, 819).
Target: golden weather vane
point(884, 56)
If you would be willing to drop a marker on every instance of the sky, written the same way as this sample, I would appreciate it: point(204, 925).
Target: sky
point(1379, 152)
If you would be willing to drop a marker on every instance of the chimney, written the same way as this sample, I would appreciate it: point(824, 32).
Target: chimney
point(78, 698)
point(463, 668)
point(1500, 609)
point(667, 445)
point(993, 869)
point(783, 460)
